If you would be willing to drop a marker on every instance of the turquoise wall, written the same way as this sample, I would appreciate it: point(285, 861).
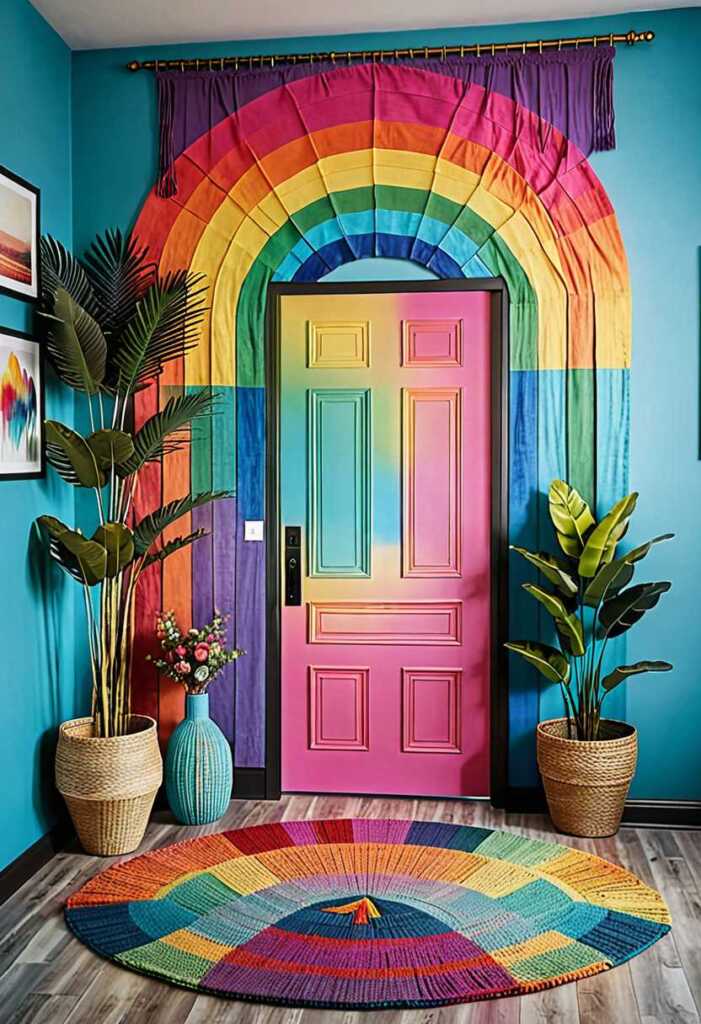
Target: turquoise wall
point(653, 180)
point(37, 678)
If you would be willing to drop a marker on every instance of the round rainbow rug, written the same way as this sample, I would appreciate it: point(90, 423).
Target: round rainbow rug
point(360, 914)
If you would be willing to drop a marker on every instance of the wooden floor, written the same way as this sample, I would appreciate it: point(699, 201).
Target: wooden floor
point(48, 976)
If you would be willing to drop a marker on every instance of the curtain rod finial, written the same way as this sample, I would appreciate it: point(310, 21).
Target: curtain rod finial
point(134, 65)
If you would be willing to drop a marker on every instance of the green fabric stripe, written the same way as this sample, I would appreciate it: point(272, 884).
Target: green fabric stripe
point(575, 957)
point(517, 849)
point(166, 961)
point(200, 451)
point(224, 440)
point(494, 253)
point(581, 433)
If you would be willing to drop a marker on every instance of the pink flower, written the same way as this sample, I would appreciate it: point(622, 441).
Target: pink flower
point(183, 667)
point(201, 652)
point(180, 651)
point(210, 638)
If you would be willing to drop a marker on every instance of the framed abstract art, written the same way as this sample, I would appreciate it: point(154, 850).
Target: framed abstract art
point(21, 406)
point(19, 237)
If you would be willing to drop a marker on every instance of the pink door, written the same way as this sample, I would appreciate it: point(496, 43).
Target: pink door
point(385, 482)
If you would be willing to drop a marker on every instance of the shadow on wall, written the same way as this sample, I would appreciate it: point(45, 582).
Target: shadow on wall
point(50, 588)
point(698, 251)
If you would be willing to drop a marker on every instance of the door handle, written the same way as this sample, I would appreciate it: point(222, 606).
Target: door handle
point(293, 565)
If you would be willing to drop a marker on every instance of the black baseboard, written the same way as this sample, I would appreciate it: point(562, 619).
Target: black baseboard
point(640, 813)
point(663, 813)
point(28, 863)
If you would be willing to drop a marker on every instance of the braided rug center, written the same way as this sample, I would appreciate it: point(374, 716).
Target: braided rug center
point(367, 914)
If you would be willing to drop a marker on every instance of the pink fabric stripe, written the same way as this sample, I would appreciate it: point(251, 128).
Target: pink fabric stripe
point(302, 832)
point(380, 831)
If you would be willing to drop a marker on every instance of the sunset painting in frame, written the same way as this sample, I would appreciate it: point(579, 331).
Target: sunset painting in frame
point(19, 237)
point(21, 406)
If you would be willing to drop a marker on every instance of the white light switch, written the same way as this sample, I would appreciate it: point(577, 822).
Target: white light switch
point(253, 529)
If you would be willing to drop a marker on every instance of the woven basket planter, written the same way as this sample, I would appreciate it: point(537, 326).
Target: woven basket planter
point(110, 784)
point(586, 783)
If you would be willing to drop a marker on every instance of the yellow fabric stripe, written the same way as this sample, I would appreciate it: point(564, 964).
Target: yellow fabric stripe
point(232, 237)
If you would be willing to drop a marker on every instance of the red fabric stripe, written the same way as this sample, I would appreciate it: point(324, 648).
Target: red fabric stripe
point(260, 839)
point(340, 831)
point(241, 957)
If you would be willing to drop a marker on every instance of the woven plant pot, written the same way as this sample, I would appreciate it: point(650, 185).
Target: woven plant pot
point(586, 783)
point(110, 784)
point(198, 766)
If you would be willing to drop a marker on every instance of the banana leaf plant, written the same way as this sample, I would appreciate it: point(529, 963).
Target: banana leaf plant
point(112, 325)
point(590, 600)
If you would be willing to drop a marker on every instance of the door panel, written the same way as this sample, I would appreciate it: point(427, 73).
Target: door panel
point(432, 481)
point(385, 442)
point(339, 481)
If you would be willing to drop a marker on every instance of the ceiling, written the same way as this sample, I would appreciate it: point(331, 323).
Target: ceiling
point(97, 24)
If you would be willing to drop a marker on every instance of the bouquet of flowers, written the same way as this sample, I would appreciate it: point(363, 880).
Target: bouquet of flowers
point(194, 658)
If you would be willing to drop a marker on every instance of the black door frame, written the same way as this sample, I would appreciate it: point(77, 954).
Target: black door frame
point(499, 682)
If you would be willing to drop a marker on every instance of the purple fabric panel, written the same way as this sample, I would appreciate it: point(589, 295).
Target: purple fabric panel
point(222, 694)
point(571, 89)
point(202, 568)
point(249, 745)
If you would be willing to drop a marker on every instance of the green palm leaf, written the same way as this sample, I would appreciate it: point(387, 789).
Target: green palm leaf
point(571, 517)
point(119, 271)
point(85, 560)
point(623, 672)
point(164, 327)
point(153, 525)
point(60, 269)
point(76, 345)
point(553, 569)
point(621, 612)
point(71, 456)
point(609, 580)
point(165, 431)
point(118, 542)
point(176, 544)
point(550, 662)
point(110, 447)
point(568, 626)
point(612, 578)
point(600, 545)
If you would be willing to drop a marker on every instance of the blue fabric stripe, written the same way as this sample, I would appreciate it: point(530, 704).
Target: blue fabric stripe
point(612, 483)
point(523, 531)
point(552, 465)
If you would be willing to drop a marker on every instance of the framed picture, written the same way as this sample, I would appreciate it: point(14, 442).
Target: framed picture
point(21, 406)
point(19, 237)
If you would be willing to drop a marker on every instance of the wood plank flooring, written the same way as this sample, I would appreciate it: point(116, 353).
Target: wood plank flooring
point(48, 977)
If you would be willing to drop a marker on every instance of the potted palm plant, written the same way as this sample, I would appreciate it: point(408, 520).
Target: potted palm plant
point(112, 324)
point(586, 760)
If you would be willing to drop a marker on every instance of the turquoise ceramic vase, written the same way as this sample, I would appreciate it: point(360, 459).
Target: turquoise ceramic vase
point(198, 770)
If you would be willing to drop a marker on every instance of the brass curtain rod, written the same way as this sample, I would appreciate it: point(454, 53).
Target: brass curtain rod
point(425, 52)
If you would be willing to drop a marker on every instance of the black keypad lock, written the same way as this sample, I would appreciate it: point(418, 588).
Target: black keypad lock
point(293, 565)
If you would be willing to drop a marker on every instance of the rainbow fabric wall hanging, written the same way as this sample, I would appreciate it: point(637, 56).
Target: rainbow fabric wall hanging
point(471, 167)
